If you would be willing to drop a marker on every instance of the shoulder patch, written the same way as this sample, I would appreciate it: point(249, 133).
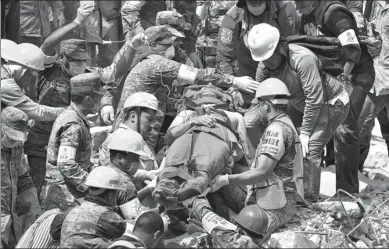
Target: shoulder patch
point(226, 35)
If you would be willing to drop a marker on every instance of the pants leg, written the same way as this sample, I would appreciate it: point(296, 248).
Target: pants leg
point(37, 171)
point(330, 117)
point(347, 137)
point(384, 124)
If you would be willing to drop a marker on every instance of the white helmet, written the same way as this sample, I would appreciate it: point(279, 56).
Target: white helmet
point(104, 178)
point(272, 87)
point(30, 56)
point(262, 41)
point(128, 140)
point(8, 49)
point(142, 99)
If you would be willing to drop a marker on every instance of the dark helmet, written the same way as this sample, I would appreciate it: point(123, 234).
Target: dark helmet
point(254, 219)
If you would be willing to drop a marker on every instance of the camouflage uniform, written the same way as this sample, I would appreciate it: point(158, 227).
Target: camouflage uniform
point(207, 43)
point(15, 179)
point(91, 225)
point(155, 74)
point(53, 89)
point(68, 168)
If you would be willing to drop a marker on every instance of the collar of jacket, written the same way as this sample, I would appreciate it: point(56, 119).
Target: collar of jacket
point(130, 237)
point(79, 113)
point(97, 200)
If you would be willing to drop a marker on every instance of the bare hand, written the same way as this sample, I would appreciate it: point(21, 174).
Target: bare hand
point(304, 140)
point(107, 114)
point(204, 120)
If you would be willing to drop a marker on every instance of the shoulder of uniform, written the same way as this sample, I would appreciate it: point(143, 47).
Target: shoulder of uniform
point(235, 13)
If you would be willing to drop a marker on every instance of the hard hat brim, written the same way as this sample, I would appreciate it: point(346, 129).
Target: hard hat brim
point(263, 57)
point(110, 188)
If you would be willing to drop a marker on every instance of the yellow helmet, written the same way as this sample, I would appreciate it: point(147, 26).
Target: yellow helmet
point(262, 41)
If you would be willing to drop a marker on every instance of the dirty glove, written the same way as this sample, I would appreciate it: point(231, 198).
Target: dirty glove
point(204, 120)
point(86, 8)
point(138, 41)
point(218, 182)
point(245, 83)
point(107, 114)
point(304, 140)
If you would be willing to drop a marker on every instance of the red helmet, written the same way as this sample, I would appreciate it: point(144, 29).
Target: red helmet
point(254, 219)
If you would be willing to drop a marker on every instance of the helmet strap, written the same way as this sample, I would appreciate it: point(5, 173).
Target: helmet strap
point(138, 112)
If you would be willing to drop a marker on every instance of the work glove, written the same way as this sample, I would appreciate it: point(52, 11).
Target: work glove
point(203, 120)
point(304, 140)
point(138, 41)
point(245, 83)
point(237, 98)
point(86, 8)
point(218, 182)
point(152, 183)
point(107, 114)
point(152, 174)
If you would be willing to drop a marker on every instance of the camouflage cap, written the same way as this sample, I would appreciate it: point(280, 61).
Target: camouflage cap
point(163, 34)
point(86, 83)
point(14, 123)
point(75, 48)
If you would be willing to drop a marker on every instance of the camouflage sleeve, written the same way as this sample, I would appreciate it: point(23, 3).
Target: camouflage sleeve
point(130, 18)
point(261, 73)
point(226, 45)
point(24, 178)
point(110, 225)
point(222, 238)
point(12, 95)
point(66, 161)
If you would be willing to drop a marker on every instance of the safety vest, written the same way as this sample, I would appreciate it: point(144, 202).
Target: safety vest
point(270, 193)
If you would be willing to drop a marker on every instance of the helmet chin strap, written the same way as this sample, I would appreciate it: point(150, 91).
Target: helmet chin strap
point(138, 112)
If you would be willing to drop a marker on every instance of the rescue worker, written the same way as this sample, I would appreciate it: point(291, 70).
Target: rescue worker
point(278, 158)
point(125, 148)
point(154, 74)
point(95, 224)
point(69, 149)
point(147, 233)
point(331, 19)
point(44, 232)
point(20, 61)
point(378, 97)
point(53, 86)
point(320, 97)
point(236, 25)
point(212, 18)
point(10, 20)
point(140, 110)
point(18, 194)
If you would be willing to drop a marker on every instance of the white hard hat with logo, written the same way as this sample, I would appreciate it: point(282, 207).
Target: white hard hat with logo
point(262, 41)
point(29, 55)
point(272, 87)
point(128, 140)
point(104, 177)
point(142, 99)
point(8, 49)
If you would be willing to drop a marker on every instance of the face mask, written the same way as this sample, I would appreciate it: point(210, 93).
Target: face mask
point(134, 166)
point(77, 67)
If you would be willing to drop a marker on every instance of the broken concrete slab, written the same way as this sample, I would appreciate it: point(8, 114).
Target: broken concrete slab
point(289, 239)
